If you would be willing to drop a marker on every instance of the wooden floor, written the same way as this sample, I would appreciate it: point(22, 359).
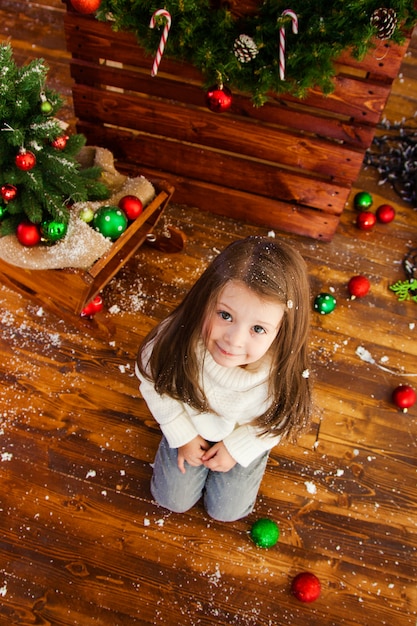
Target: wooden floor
point(83, 543)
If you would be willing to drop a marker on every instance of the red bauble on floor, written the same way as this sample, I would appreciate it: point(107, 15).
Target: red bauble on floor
point(385, 213)
point(358, 286)
point(93, 307)
point(306, 587)
point(366, 220)
point(404, 397)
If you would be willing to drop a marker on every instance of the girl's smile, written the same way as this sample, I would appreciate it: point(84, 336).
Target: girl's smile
point(242, 327)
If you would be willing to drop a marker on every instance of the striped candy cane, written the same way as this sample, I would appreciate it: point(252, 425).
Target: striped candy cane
point(294, 19)
point(163, 39)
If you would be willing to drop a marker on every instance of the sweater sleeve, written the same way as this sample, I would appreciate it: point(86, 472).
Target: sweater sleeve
point(245, 445)
point(169, 413)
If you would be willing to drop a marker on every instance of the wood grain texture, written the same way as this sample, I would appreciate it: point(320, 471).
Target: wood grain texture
point(82, 542)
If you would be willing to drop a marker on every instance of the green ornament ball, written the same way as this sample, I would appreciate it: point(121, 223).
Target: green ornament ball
point(110, 221)
point(86, 215)
point(264, 533)
point(324, 303)
point(363, 201)
point(46, 107)
point(53, 231)
point(3, 211)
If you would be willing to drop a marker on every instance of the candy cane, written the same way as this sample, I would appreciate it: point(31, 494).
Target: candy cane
point(294, 19)
point(163, 40)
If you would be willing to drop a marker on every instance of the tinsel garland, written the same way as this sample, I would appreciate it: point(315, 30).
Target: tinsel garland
point(394, 155)
point(204, 33)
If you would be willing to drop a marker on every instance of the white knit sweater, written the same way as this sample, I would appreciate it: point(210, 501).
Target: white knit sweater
point(235, 394)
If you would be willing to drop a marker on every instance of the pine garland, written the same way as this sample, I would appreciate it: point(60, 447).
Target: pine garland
point(205, 36)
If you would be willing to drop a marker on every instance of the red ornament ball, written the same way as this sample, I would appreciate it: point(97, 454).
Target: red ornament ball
point(306, 587)
point(132, 206)
point(219, 99)
point(93, 307)
point(60, 142)
point(8, 192)
point(385, 213)
point(25, 160)
point(358, 286)
point(365, 220)
point(28, 234)
point(404, 397)
point(86, 6)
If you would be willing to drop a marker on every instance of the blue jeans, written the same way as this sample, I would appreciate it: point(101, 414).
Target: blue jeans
point(228, 496)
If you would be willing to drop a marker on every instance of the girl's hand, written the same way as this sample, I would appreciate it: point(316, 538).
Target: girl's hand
point(218, 459)
point(192, 452)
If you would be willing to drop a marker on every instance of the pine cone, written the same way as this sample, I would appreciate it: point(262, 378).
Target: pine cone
point(245, 49)
point(385, 22)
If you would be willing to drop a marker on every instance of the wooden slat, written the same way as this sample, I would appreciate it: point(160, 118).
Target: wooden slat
point(253, 176)
point(200, 127)
point(383, 61)
point(320, 123)
point(362, 99)
point(256, 209)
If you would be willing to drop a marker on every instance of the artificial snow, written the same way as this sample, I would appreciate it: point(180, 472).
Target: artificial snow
point(310, 486)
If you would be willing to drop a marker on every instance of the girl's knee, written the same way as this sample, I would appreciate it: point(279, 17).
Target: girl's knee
point(171, 506)
point(227, 513)
point(170, 501)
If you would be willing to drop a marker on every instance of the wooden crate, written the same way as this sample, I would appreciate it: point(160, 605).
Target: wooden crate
point(289, 164)
point(69, 290)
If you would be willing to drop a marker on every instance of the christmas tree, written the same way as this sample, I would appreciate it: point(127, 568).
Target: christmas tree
point(40, 176)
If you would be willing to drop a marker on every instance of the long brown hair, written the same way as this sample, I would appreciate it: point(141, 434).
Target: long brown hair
point(275, 272)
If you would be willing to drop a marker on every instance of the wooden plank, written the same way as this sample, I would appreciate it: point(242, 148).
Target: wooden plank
point(89, 39)
point(254, 209)
point(362, 99)
point(383, 61)
point(323, 124)
point(201, 127)
point(137, 150)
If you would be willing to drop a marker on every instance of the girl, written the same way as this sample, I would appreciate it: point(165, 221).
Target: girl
point(226, 377)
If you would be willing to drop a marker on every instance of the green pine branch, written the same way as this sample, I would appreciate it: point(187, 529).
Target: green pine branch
point(204, 36)
point(405, 290)
point(28, 122)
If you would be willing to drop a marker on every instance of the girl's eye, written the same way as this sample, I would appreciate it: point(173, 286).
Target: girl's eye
point(224, 315)
point(258, 330)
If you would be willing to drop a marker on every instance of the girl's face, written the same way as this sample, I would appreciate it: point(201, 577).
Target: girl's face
point(242, 326)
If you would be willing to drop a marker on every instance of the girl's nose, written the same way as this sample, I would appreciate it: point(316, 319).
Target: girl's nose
point(234, 336)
